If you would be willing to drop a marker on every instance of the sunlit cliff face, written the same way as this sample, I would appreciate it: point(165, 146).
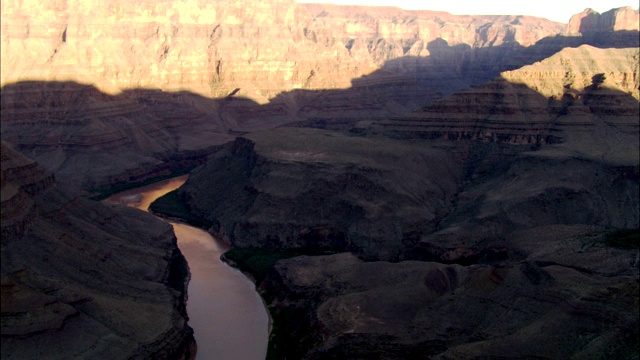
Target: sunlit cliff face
point(248, 48)
point(207, 48)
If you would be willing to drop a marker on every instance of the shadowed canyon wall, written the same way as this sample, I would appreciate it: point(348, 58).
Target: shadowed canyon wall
point(504, 210)
point(380, 63)
point(481, 170)
point(81, 279)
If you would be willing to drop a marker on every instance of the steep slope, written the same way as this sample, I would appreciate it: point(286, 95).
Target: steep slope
point(81, 279)
point(518, 198)
point(567, 94)
point(317, 189)
point(92, 140)
point(214, 49)
point(590, 21)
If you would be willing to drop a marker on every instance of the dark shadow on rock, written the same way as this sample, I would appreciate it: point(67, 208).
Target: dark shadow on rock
point(168, 132)
point(520, 162)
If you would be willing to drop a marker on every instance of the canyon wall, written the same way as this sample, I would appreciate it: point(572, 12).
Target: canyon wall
point(570, 92)
point(500, 203)
point(624, 18)
point(515, 204)
point(152, 89)
point(217, 48)
point(92, 140)
point(82, 279)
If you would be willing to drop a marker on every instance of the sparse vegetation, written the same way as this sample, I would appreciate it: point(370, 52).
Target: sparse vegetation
point(625, 238)
point(257, 261)
point(285, 321)
point(101, 194)
point(170, 205)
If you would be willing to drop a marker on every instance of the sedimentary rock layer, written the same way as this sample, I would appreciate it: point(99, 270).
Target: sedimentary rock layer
point(585, 89)
point(298, 188)
point(112, 125)
point(93, 140)
point(341, 307)
point(243, 47)
point(589, 21)
point(81, 279)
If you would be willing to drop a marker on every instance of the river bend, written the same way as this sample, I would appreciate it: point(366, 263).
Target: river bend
point(227, 315)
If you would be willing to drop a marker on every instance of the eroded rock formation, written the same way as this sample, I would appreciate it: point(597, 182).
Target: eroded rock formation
point(92, 140)
point(583, 90)
point(505, 238)
point(214, 49)
point(82, 279)
point(588, 21)
point(299, 188)
point(533, 227)
point(341, 307)
point(108, 120)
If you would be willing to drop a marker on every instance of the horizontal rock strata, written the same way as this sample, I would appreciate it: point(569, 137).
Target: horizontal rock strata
point(573, 90)
point(297, 188)
point(92, 140)
point(215, 49)
point(430, 310)
point(81, 279)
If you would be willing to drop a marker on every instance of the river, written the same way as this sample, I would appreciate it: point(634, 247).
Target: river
point(227, 315)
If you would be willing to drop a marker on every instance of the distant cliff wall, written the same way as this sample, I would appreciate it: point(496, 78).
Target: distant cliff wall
point(624, 18)
point(254, 49)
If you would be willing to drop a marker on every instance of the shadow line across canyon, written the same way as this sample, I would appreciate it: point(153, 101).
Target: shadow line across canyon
point(97, 141)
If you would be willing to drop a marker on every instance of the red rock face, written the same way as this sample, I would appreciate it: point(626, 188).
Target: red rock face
point(624, 18)
point(251, 49)
point(566, 92)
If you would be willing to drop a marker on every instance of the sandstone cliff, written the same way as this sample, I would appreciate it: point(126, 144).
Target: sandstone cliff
point(576, 92)
point(81, 279)
point(243, 47)
point(109, 120)
point(624, 18)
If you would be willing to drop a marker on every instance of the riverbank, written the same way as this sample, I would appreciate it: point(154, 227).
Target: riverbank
point(229, 318)
point(254, 263)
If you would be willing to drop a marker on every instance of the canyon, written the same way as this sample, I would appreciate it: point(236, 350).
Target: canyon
point(418, 184)
point(81, 279)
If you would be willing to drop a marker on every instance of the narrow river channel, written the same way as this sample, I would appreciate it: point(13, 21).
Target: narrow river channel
point(227, 315)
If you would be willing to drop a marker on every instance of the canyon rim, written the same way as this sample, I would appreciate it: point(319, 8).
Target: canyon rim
point(400, 184)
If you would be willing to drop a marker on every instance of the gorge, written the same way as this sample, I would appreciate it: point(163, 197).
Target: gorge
point(228, 317)
point(400, 184)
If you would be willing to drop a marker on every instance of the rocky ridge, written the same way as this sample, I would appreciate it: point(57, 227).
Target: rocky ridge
point(430, 310)
point(525, 248)
point(552, 100)
point(377, 63)
point(81, 279)
point(307, 188)
point(577, 110)
point(241, 47)
point(624, 18)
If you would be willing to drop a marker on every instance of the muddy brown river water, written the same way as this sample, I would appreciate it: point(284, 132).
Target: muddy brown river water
point(227, 315)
